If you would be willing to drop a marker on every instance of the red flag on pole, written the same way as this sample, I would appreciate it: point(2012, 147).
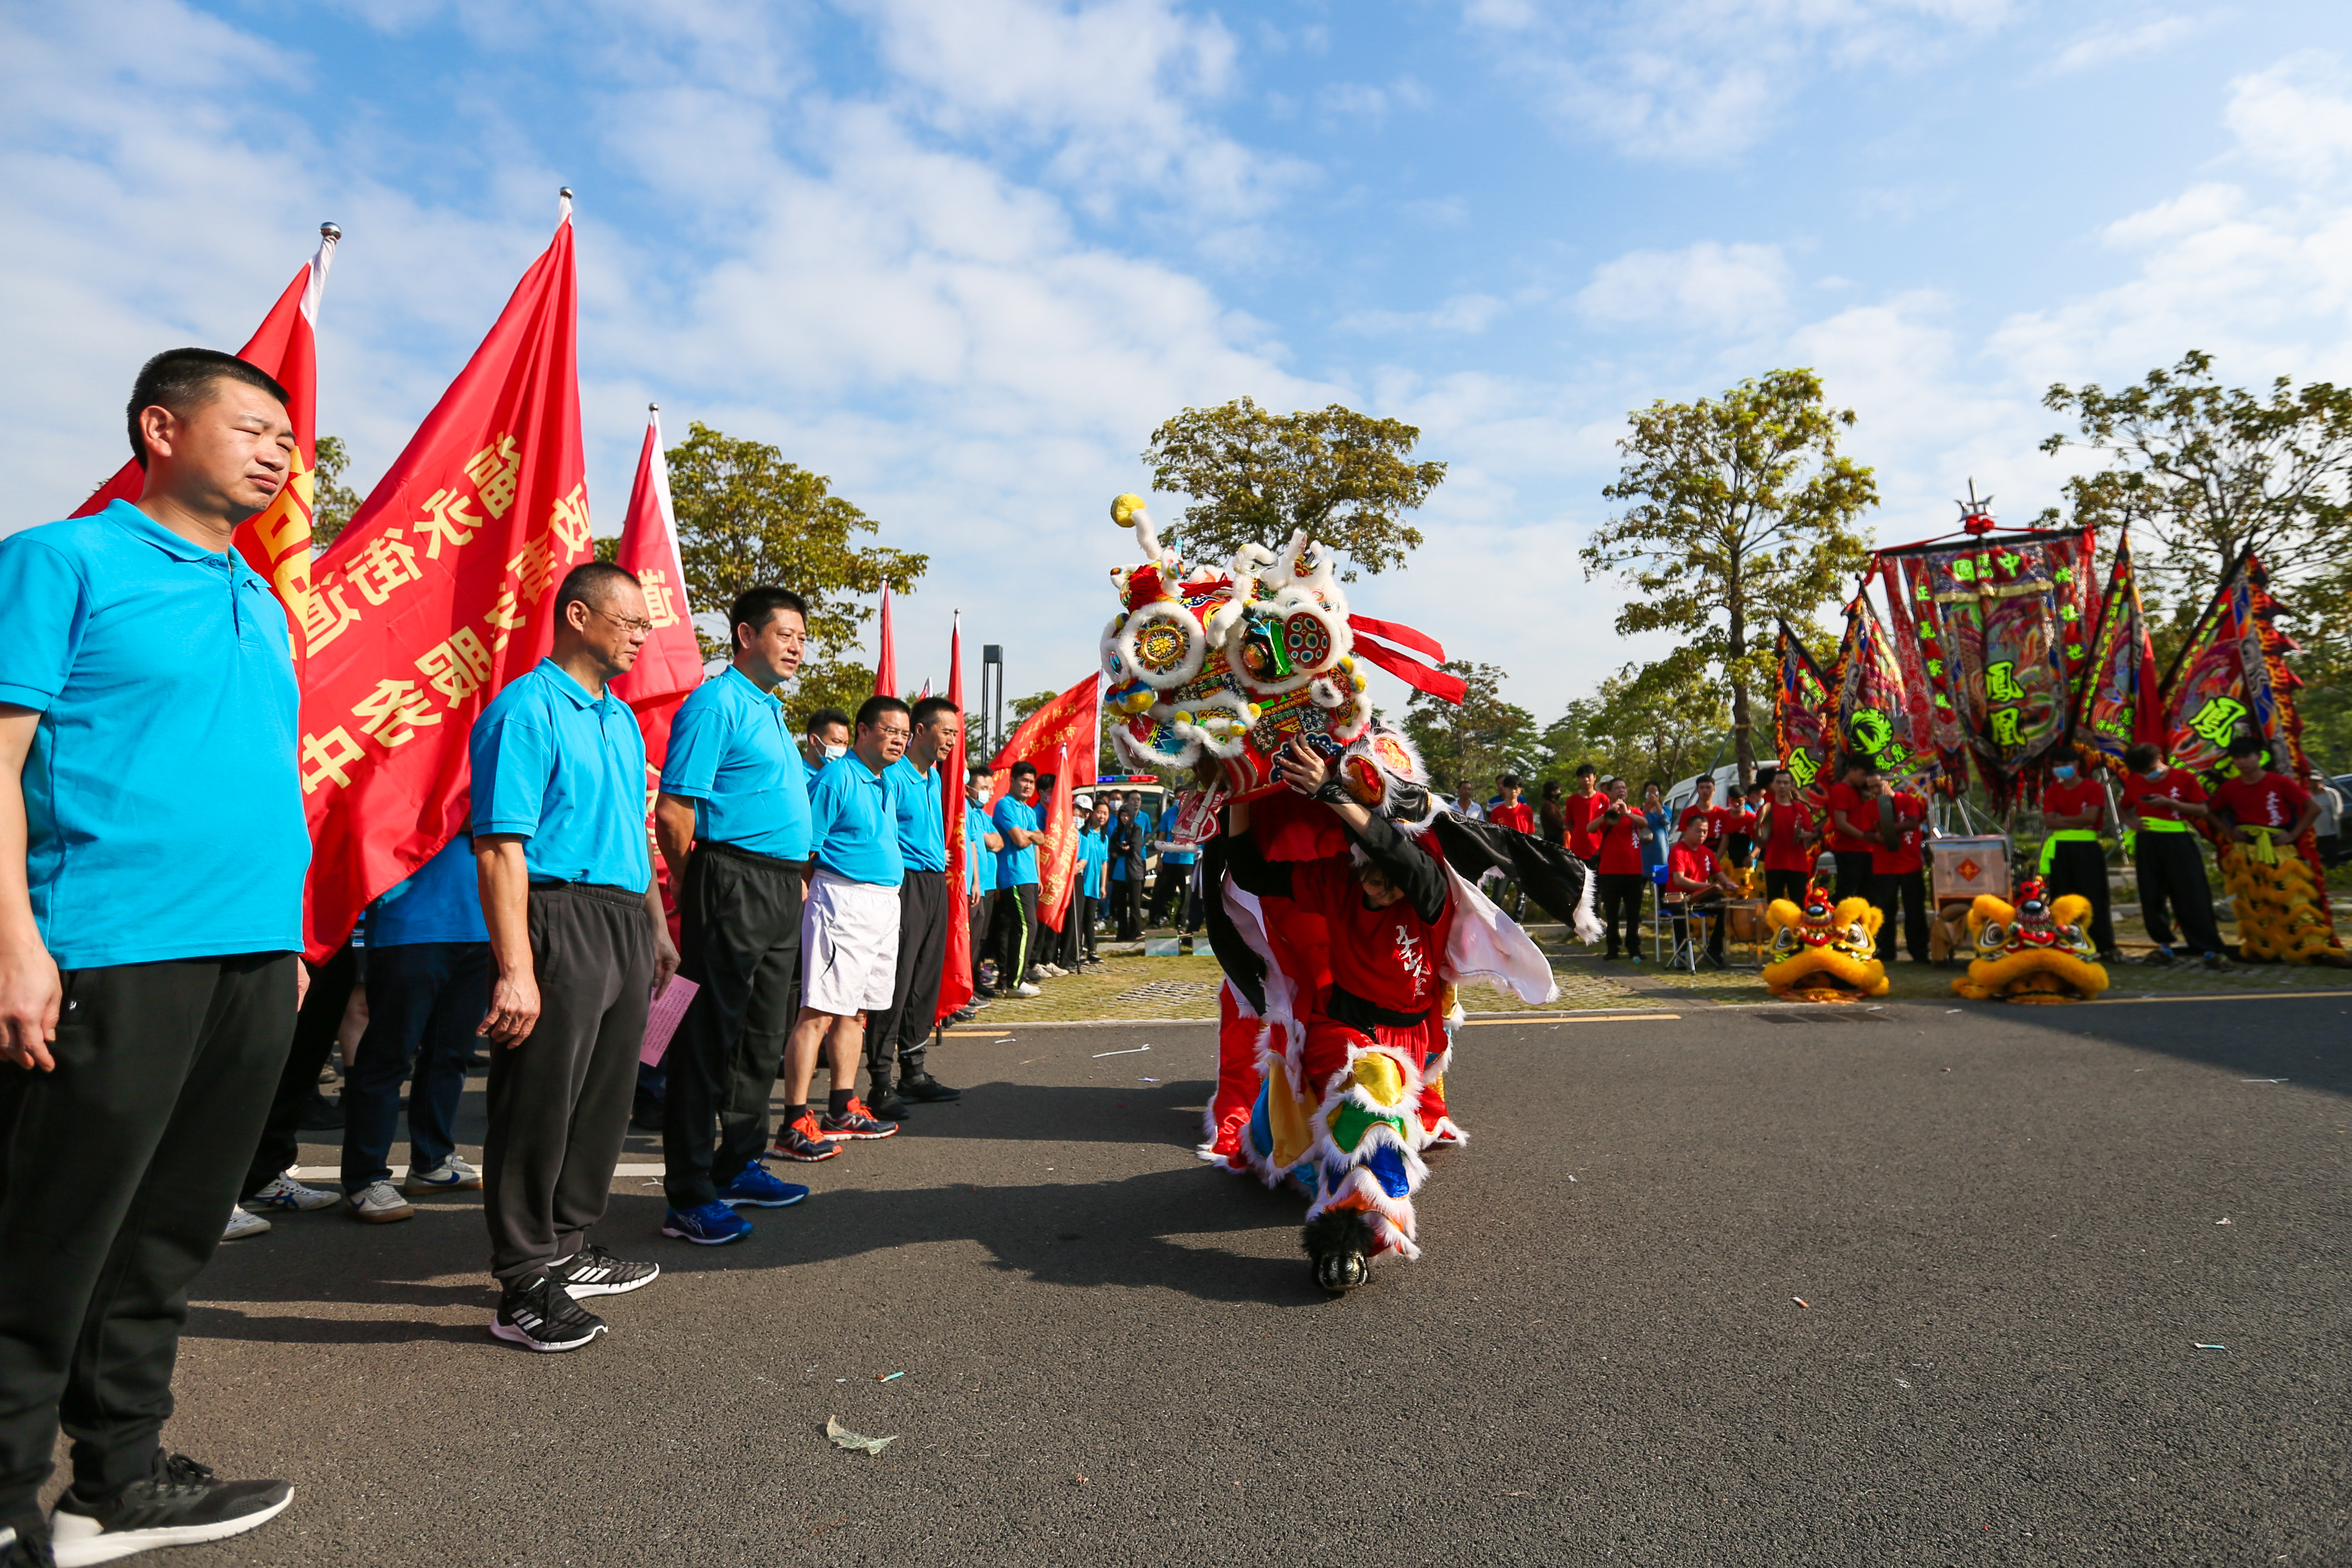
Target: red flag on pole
point(439, 591)
point(886, 662)
point(955, 976)
point(275, 541)
point(669, 667)
point(1061, 739)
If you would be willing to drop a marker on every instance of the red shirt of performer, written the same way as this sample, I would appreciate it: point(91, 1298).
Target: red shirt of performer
point(1583, 807)
point(1709, 815)
point(1789, 840)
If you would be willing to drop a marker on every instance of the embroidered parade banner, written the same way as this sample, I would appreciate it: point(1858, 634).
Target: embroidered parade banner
point(2231, 678)
point(437, 593)
point(2000, 622)
point(2116, 705)
point(1803, 716)
point(1874, 710)
point(1061, 740)
point(275, 541)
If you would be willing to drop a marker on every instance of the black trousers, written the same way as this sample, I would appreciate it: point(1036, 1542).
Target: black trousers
point(560, 1098)
point(1856, 876)
point(1788, 885)
point(1708, 906)
point(740, 922)
point(315, 1029)
point(1016, 934)
point(2080, 865)
point(1904, 893)
point(117, 1172)
point(1738, 848)
point(1167, 893)
point(2172, 871)
point(903, 1033)
point(1620, 893)
point(1127, 904)
point(1082, 919)
point(426, 999)
point(983, 910)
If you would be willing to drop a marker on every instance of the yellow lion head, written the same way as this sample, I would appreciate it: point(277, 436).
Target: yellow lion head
point(1823, 954)
point(2037, 949)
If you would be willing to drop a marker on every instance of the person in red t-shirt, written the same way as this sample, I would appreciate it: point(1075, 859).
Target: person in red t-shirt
point(1898, 870)
point(1621, 878)
point(1709, 814)
point(1853, 839)
point(2160, 804)
point(1790, 840)
point(1696, 884)
point(1583, 807)
point(2259, 801)
point(1511, 811)
point(2073, 809)
point(1734, 835)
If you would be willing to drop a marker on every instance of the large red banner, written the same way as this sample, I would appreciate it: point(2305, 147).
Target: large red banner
point(1061, 740)
point(439, 591)
point(669, 667)
point(955, 978)
point(275, 541)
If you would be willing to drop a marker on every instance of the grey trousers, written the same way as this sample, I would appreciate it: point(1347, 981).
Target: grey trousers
point(560, 1100)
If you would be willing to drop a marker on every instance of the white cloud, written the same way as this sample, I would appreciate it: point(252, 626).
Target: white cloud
point(2108, 45)
point(1706, 287)
point(1464, 313)
point(2295, 116)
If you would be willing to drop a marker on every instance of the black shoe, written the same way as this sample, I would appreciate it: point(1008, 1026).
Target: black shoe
point(964, 1015)
point(922, 1086)
point(179, 1505)
point(540, 1315)
point(985, 993)
point(884, 1105)
point(593, 1271)
point(321, 1115)
point(26, 1545)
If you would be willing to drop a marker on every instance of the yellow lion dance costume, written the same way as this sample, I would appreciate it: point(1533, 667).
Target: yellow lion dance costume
point(2032, 951)
point(1822, 953)
point(2282, 905)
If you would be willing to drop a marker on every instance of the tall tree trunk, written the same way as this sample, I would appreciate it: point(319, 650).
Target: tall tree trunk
point(1743, 741)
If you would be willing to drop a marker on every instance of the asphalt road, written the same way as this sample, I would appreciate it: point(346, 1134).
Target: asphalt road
point(2010, 1230)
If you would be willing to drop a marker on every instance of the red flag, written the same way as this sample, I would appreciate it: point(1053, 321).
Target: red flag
point(669, 667)
point(275, 541)
point(438, 592)
point(886, 662)
point(955, 978)
point(1063, 737)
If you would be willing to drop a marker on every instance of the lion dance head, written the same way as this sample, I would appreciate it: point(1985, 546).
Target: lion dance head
point(1824, 952)
point(2037, 949)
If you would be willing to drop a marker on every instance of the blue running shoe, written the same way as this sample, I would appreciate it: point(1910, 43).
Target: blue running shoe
point(757, 1188)
point(712, 1225)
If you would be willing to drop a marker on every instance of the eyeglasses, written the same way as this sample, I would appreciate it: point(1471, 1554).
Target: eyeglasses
point(642, 627)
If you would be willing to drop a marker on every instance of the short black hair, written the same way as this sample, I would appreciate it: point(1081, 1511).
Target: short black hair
point(870, 711)
point(2142, 757)
point(1584, 768)
point(1507, 781)
point(931, 707)
point(182, 380)
point(1859, 760)
point(824, 718)
point(1704, 781)
point(592, 584)
point(1024, 770)
point(753, 607)
point(2251, 746)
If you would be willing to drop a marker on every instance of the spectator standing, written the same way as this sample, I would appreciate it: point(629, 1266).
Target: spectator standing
point(980, 841)
point(580, 945)
point(428, 983)
point(1707, 814)
point(1465, 803)
point(898, 1038)
point(2073, 809)
point(1016, 881)
point(1739, 828)
point(823, 738)
point(1094, 871)
point(2328, 832)
point(1127, 845)
point(1580, 808)
point(1551, 815)
point(1172, 895)
point(1622, 876)
point(2160, 804)
point(1852, 805)
point(1696, 884)
point(732, 818)
point(1790, 838)
point(849, 934)
point(1512, 812)
point(148, 722)
point(1902, 877)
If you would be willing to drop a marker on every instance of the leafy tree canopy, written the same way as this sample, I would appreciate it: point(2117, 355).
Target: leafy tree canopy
point(1469, 743)
point(331, 502)
point(1257, 477)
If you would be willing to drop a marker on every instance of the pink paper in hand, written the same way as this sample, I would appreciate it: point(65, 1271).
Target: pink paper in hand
point(662, 1020)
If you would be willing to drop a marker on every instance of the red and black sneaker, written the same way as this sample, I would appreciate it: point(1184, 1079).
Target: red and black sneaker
point(858, 1121)
point(800, 1141)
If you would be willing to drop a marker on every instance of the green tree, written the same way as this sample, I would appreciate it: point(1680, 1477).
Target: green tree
point(746, 517)
point(2205, 473)
point(1742, 512)
point(331, 502)
point(1256, 477)
point(1470, 742)
point(1661, 720)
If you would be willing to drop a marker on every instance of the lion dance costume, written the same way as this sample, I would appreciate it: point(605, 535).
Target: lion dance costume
point(1824, 952)
point(1337, 1014)
point(2037, 949)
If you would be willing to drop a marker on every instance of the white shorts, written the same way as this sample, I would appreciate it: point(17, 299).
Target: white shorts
point(849, 945)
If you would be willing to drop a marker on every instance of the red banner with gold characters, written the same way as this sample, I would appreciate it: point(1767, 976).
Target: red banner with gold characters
point(275, 541)
point(1061, 740)
point(438, 592)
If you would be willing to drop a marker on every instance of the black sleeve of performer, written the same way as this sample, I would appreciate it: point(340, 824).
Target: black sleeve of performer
point(1414, 869)
point(1251, 870)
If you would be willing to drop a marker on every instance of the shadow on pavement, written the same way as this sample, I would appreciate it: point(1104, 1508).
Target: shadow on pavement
point(1140, 1113)
point(2304, 1040)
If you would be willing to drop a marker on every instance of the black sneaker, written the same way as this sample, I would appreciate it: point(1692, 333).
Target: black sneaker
point(985, 993)
point(593, 1271)
point(25, 1543)
point(540, 1315)
point(886, 1106)
point(2159, 956)
point(179, 1505)
point(922, 1086)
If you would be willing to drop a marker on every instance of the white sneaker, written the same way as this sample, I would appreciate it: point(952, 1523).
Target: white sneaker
point(283, 1192)
point(379, 1202)
point(1025, 989)
point(242, 1225)
point(451, 1175)
point(1052, 970)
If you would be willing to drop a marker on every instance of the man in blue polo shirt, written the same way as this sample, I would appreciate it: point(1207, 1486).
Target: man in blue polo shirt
point(152, 814)
point(1016, 881)
point(849, 932)
point(733, 811)
point(896, 1038)
point(580, 947)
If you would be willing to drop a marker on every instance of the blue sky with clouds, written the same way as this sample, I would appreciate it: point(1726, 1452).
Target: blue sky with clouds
point(962, 256)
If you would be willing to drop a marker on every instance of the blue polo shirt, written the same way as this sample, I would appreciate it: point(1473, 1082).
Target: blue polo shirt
point(566, 771)
point(441, 903)
point(980, 861)
point(1015, 867)
point(853, 823)
point(1094, 856)
point(731, 753)
point(162, 798)
point(922, 826)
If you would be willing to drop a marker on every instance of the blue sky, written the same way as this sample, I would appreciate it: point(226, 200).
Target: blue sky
point(962, 256)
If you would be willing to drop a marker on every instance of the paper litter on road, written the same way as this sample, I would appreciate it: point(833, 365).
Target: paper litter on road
point(843, 1438)
point(892, 1377)
point(1800, 1301)
point(1147, 1080)
point(2265, 1080)
point(1099, 1054)
point(2202, 1346)
point(2224, 1220)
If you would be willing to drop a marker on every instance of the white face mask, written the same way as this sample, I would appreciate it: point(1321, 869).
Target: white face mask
point(836, 751)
